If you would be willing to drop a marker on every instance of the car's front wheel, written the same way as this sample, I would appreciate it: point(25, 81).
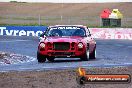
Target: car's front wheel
point(93, 55)
point(85, 57)
point(41, 58)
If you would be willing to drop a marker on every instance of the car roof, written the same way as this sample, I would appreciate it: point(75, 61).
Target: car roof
point(69, 25)
point(85, 27)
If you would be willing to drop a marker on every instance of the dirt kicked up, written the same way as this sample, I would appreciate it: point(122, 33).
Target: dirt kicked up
point(58, 78)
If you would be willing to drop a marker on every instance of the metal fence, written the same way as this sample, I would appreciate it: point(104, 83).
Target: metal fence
point(53, 20)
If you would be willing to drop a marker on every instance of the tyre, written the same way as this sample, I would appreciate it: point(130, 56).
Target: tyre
point(93, 55)
point(85, 57)
point(41, 58)
point(51, 59)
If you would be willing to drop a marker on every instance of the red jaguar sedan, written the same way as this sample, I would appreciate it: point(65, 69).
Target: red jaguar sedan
point(67, 41)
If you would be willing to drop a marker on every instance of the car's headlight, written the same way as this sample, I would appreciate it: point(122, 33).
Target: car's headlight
point(42, 45)
point(80, 45)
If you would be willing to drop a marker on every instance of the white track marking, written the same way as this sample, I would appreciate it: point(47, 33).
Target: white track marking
point(128, 63)
point(129, 46)
point(119, 45)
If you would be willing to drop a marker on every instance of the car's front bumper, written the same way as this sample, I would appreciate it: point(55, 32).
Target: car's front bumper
point(69, 53)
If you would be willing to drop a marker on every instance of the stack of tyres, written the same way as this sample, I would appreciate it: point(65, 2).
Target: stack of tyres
point(115, 18)
point(105, 17)
point(111, 19)
point(115, 22)
point(105, 22)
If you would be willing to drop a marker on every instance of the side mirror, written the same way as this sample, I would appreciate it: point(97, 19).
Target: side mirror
point(42, 35)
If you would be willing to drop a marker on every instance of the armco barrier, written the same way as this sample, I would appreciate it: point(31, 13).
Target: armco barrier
point(22, 30)
point(102, 33)
point(112, 33)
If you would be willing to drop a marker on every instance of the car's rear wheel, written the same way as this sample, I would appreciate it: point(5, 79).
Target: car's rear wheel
point(41, 58)
point(85, 57)
point(50, 59)
point(93, 55)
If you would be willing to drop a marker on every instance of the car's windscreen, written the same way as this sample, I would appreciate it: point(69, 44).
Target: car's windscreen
point(66, 31)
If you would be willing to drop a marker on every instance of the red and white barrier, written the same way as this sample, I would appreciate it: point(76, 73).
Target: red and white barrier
point(112, 33)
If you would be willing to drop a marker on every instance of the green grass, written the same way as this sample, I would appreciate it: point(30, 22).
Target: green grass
point(19, 18)
point(34, 24)
point(2, 18)
point(27, 18)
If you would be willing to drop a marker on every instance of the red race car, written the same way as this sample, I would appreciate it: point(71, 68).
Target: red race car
point(66, 41)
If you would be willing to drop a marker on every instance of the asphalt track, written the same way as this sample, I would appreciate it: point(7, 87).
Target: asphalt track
point(109, 53)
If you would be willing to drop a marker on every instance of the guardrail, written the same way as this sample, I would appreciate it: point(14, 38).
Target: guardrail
point(101, 33)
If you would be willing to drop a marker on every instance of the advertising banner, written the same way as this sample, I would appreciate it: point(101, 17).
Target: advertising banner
point(101, 33)
point(111, 33)
point(22, 30)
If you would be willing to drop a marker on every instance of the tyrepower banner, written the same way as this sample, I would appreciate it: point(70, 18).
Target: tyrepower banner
point(111, 33)
point(101, 33)
point(22, 30)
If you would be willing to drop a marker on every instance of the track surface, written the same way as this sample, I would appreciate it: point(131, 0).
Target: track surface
point(109, 53)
